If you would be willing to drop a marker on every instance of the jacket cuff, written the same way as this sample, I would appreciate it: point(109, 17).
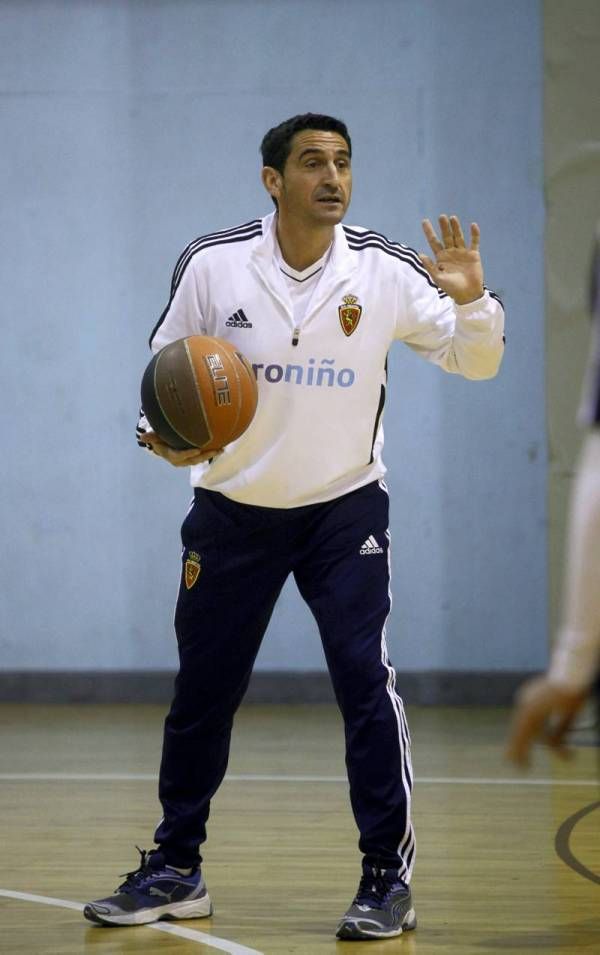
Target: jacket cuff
point(473, 306)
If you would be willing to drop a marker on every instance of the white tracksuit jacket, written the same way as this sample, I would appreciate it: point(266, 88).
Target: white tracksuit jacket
point(317, 432)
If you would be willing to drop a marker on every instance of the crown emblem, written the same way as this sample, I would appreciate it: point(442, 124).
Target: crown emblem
point(349, 314)
point(192, 569)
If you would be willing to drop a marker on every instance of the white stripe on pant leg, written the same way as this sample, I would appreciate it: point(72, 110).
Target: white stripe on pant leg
point(406, 846)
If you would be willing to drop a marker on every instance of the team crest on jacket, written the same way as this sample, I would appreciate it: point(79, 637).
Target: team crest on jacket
point(349, 313)
point(192, 569)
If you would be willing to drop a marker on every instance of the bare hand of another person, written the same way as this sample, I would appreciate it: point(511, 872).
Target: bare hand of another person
point(542, 711)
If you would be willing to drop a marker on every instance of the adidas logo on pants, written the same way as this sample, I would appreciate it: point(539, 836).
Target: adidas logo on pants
point(371, 546)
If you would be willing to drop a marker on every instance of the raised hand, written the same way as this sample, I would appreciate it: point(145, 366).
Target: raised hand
point(456, 269)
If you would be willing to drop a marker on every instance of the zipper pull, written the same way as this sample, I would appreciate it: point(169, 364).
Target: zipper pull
point(295, 336)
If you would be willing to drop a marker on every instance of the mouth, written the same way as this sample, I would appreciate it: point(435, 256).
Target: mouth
point(330, 200)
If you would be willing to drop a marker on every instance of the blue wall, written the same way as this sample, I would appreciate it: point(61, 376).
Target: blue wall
point(130, 128)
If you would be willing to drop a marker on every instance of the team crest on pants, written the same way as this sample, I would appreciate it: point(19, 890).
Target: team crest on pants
point(192, 569)
point(349, 313)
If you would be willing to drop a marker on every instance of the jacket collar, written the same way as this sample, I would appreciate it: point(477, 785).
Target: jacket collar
point(341, 262)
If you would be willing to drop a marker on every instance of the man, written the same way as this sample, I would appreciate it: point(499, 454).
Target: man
point(547, 705)
point(315, 306)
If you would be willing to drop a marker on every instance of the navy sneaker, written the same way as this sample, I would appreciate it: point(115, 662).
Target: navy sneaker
point(151, 892)
point(382, 907)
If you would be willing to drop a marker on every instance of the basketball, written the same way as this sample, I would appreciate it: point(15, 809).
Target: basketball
point(199, 392)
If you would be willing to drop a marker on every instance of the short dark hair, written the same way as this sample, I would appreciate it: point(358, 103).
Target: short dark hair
point(277, 143)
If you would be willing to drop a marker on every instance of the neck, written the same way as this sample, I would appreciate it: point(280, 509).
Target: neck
point(301, 246)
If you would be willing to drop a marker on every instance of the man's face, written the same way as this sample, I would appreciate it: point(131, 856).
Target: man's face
point(316, 183)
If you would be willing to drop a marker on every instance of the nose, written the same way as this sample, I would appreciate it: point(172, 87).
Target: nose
point(332, 174)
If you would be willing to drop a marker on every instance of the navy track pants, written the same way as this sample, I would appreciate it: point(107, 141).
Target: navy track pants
point(338, 554)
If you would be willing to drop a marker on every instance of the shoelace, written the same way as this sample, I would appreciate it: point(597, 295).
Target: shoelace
point(373, 889)
point(136, 876)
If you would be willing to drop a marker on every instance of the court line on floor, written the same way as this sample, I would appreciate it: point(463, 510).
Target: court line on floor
point(263, 778)
point(563, 848)
point(223, 944)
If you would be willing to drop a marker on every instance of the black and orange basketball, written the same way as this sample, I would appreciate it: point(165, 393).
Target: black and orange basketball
point(199, 392)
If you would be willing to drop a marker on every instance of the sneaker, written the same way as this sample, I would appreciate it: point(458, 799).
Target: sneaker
point(382, 907)
point(151, 892)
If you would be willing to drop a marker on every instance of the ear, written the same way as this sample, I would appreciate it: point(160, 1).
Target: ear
point(272, 181)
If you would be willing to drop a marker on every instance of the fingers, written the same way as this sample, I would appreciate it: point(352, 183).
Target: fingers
point(158, 446)
point(532, 708)
point(431, 267)
point(451, 233)
point(179, 459)
point(564, 717)
point(457, 233)
point(538, 704)
point(526, 728)
point(446, 230)
point(434, 243)
point(203, 456)
point(560, 726)
point(182, 459)
point(562, 751)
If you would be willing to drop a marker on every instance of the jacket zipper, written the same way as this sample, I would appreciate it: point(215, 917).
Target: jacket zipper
point(296, 336)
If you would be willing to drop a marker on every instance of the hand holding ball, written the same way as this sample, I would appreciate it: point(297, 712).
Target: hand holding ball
point(199, 392)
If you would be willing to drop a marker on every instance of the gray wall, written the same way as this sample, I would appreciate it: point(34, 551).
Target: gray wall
point(130, 128)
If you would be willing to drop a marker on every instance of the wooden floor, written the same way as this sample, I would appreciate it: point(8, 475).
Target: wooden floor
point(78, 790)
